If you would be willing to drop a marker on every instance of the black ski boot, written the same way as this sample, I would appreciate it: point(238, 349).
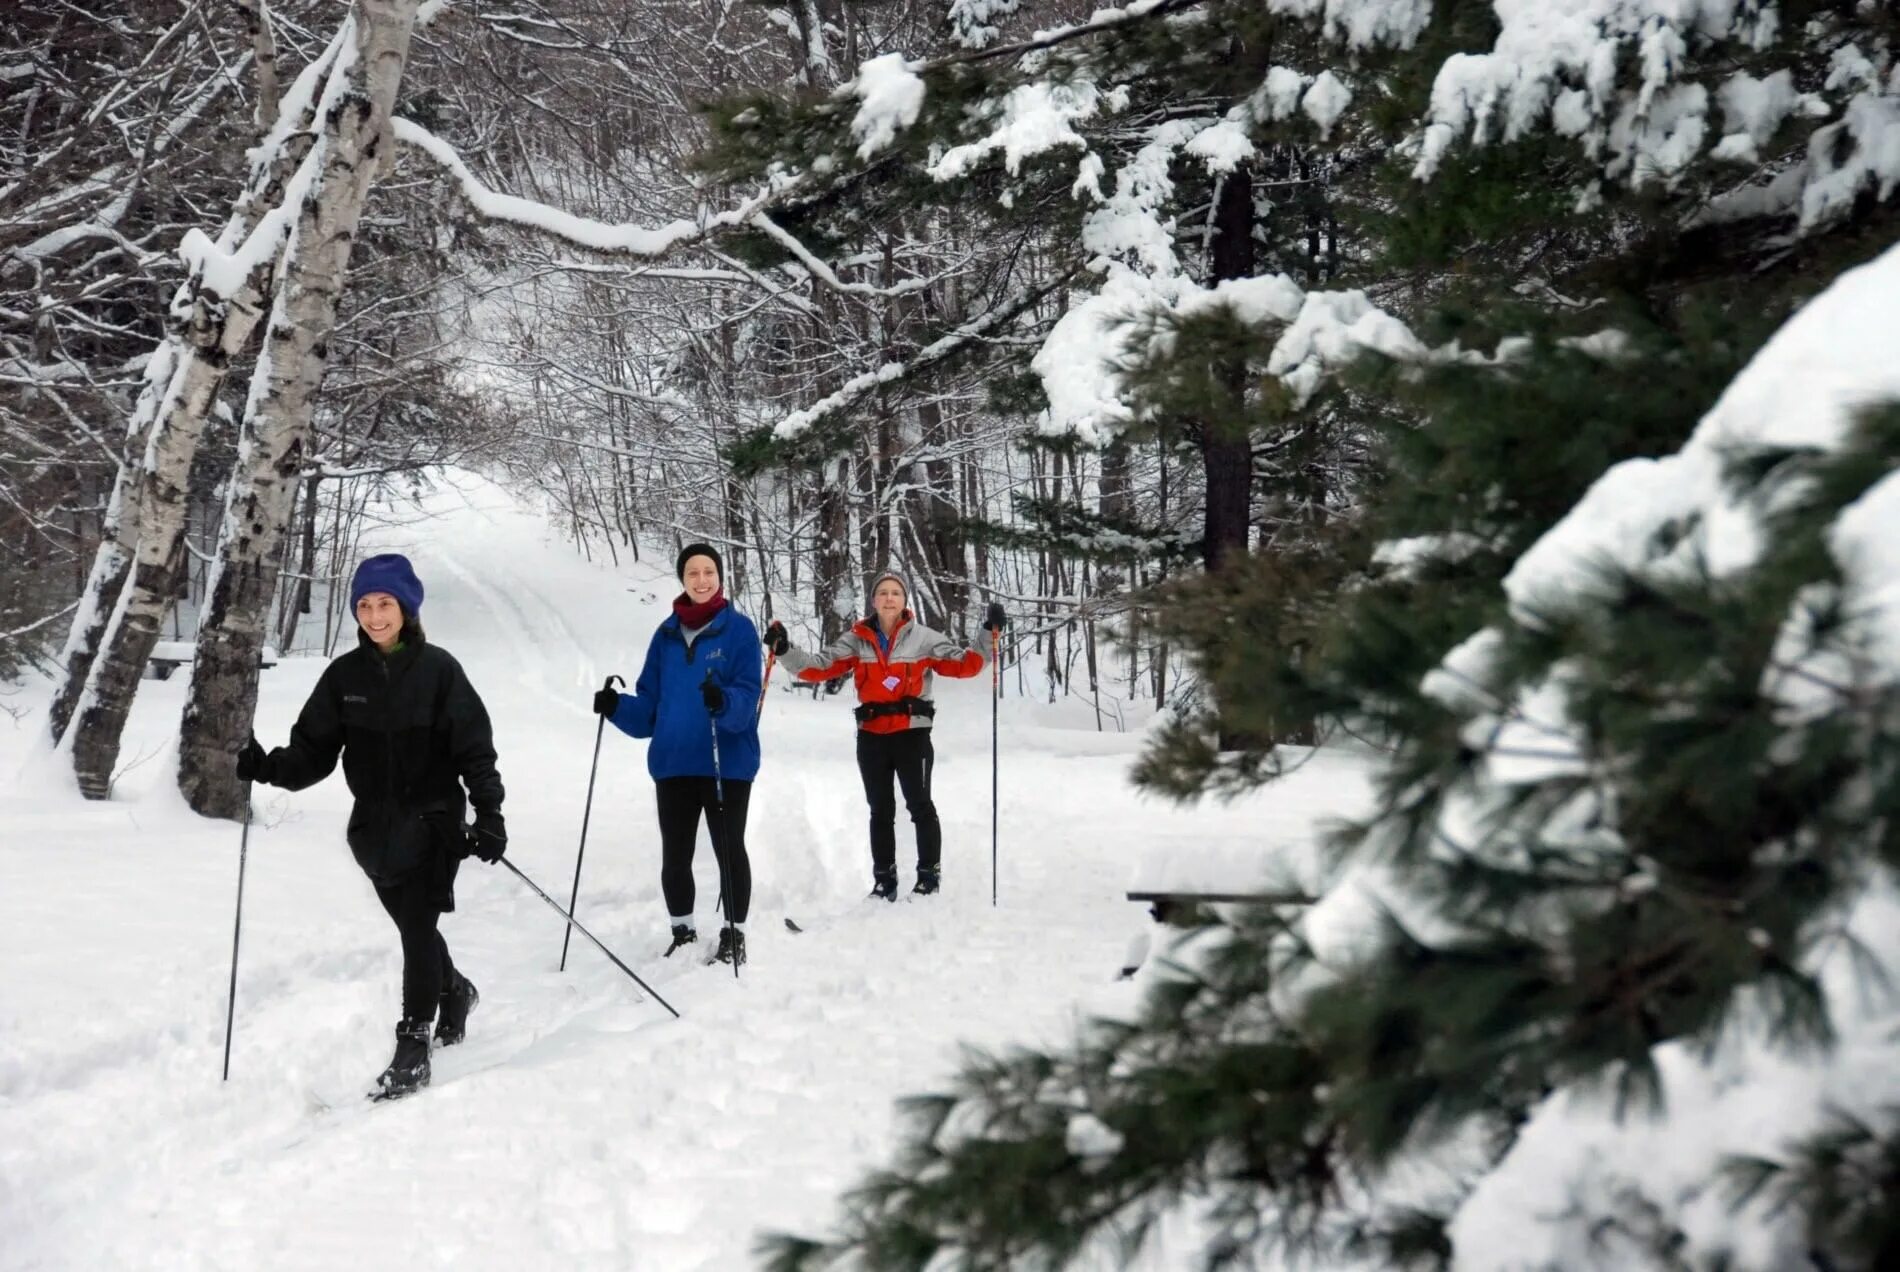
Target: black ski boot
point(927, 882)
point(731, 946)
point(884, 887)
point(682, 935)
point(408, 1072)
point(451, 1013)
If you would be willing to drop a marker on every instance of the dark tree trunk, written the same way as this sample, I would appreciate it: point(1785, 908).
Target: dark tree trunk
point(833, 550)
point(1226, 449)
point(297, 603)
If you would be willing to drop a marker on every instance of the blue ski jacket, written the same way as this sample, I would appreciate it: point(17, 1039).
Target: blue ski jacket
point(666, 706)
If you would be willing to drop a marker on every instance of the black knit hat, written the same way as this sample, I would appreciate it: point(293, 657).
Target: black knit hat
point(692, 550)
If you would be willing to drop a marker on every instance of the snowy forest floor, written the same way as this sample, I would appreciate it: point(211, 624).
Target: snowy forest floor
point(579, 1126)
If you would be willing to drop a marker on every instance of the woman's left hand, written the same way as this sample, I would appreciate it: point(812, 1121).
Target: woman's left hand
point(712, 695)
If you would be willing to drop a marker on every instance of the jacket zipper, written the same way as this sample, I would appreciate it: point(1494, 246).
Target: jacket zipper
point(389, 734)
point(704, 632)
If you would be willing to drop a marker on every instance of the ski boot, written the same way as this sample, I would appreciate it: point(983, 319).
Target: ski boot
point(451, 1013)
point(682, 935)
point(408, 1071)
point(884, 887)
point(927, 882)
point(731, 946)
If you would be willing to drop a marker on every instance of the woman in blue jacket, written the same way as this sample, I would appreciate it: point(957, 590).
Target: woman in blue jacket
point(701, 675)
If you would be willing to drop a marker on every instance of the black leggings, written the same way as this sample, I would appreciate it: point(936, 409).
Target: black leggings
point(909, 756)
point(681, 800)
point(426, 969)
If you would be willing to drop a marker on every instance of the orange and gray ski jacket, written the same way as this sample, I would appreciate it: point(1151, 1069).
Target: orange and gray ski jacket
point(892, 677)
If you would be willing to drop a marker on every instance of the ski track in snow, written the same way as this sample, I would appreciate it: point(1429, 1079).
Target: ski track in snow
point(578, 1126)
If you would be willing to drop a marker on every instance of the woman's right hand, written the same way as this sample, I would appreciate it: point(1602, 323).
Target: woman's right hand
point(606, 702)
point(253, 764)
point(775, 638)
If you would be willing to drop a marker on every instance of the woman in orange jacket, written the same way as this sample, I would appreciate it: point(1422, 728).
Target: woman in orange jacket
point(891, 659)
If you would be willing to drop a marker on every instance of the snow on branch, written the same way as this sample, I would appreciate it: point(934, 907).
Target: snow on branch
point(824, 273)
point(1081, 364)
point(973, 22)
point(600, 236)
point(38, 623)
point(858, 386)
point(890, 96)
point(1622, 79)
point(105, 223)
point(890, 90)
point(224, 271)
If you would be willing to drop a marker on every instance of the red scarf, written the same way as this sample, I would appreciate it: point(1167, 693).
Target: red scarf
point(691, 615)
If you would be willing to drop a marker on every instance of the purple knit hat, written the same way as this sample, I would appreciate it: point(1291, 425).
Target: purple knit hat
point(390, 572)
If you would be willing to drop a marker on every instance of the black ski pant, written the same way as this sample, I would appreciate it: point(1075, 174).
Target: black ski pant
point(681, 801)
point(426, 969)
point(908, 756)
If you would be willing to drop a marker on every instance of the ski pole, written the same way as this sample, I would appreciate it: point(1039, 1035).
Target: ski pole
point(720, 846)
point(771, 661)
point(994, 620)
point(576, 925)
point(573, 902)
point(237, 929)
point(996, 690)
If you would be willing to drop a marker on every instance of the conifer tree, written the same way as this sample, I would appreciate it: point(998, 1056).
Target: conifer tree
point(1636, 820)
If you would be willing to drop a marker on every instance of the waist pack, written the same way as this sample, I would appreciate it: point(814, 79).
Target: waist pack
point(869, 711)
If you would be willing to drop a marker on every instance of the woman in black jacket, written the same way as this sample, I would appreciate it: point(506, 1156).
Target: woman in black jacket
point(412, 733)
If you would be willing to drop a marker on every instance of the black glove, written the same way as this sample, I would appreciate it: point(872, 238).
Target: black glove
point(994, 620)
point(252, 764)
point(488, 837)
point(712, 695)
point(776, 640)
point(606, 702)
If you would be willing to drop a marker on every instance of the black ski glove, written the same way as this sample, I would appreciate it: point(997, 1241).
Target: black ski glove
point(994, 620)
point(776, 640)
point(606, 702)
point(712, 695)
point(488, 837)
point(253, 765)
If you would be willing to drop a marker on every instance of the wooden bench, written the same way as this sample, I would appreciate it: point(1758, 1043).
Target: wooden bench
point(1177, 909)
point(169, 655)
point(1165, 905)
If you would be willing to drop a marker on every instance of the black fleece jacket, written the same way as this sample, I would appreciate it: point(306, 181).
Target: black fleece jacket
point(412, 732)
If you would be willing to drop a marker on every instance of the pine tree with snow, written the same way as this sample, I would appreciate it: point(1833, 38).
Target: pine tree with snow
point(1629, 882)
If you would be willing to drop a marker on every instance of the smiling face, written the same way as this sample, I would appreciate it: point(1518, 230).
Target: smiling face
point(888, 602)
point(381, 617)
point(701, 578)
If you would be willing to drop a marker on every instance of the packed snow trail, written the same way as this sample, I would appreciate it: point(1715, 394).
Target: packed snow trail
point(578, 1126)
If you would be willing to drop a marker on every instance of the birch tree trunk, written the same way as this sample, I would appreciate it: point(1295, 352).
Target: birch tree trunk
point(355, 141)
point(136, 572)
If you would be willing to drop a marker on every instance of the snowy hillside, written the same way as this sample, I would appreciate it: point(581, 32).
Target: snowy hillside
point(578, 1126)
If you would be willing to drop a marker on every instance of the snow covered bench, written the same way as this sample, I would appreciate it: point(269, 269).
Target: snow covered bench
point(1263, 850)
point(169, 655)
point(1166, 907)
point(1178, 909)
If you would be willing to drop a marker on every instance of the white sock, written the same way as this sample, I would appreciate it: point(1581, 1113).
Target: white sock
point(681, 920)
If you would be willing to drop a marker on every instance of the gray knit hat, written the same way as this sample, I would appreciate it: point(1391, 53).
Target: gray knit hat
point(894, 577)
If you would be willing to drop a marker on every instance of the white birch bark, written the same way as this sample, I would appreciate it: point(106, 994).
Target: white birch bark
point(355, 144)
point(213, 317)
